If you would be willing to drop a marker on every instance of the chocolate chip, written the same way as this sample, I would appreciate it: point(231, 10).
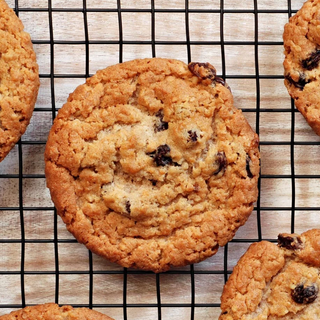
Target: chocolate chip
point(289, 242)
point(128, 206)
point(160, 125)
point(311, 62)
point(161, 155)
point(192, 136)
point(221, 161)
point(202, 70)
point(249, 173)
point(301, 82)
point(305, 295)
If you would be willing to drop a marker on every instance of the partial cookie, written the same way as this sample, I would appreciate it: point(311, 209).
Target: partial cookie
point(276, 281)
point(150, 165)
point(302, 55)
point(51, 311)
point(19, 79)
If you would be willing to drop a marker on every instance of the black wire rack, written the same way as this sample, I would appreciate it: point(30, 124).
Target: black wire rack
point(40, 262)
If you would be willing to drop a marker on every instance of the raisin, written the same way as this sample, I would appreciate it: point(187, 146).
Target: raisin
point(301, 82)
point(192, 136)
point(221, 161)
point(161, 155)
point(154, 182)
point(305, 295)
point(289, 242)
point(249, 173)
point(202, 70)
point(161, 125)
point(311, 62)
point(128, 206)
point(220, 80)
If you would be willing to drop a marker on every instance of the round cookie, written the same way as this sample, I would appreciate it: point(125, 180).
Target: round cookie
point(150, 165)
point(19, 79)
point(52, 311)
point(276, 281)
point(301, 65)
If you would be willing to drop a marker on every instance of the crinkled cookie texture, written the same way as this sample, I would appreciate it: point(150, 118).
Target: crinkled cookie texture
point(52, 311)
point(302, 56)
point(150, 165)
point(276, 281)
point(19, 79)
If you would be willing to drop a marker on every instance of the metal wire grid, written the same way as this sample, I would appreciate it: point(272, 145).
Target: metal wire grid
point(16, 174)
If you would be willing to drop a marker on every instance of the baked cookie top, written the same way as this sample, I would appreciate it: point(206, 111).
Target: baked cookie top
point(276, 281)
point(51, 311)
point(301, 65)
point(19, 79)
point(150, 165)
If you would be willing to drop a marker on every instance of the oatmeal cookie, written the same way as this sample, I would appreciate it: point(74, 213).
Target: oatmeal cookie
point(276, 281)
point(150, 165)
point(302, 55)
point(51, 311)
point(19, 79)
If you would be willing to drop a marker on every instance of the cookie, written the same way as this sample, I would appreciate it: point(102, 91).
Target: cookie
point(274, 281)
point(301, 65)
point(51, 311)
point(19, 79)
point(150, 165)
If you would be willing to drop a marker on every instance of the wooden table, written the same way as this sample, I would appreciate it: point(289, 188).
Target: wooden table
point(40, 261)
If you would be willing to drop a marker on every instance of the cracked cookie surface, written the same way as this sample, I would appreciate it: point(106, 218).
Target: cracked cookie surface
point(276, 281)
point(151, 166)
point(301, 65)
point(52, 311)
point(19, 79)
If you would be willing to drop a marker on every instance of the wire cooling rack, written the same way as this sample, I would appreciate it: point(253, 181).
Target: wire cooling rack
point(40, 261)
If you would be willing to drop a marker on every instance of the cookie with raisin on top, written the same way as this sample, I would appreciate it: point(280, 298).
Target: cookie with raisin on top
point(52, 311)
point(302, 61)
point(276, 281)
point(151, 166)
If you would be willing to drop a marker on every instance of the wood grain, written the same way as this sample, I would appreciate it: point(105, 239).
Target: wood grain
point(242, 63)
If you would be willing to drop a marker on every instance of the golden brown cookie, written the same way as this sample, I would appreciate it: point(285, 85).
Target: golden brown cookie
point(150, 165)
point(276, 281)
point(19, 79)
point(301, 65)
point(51, 311)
